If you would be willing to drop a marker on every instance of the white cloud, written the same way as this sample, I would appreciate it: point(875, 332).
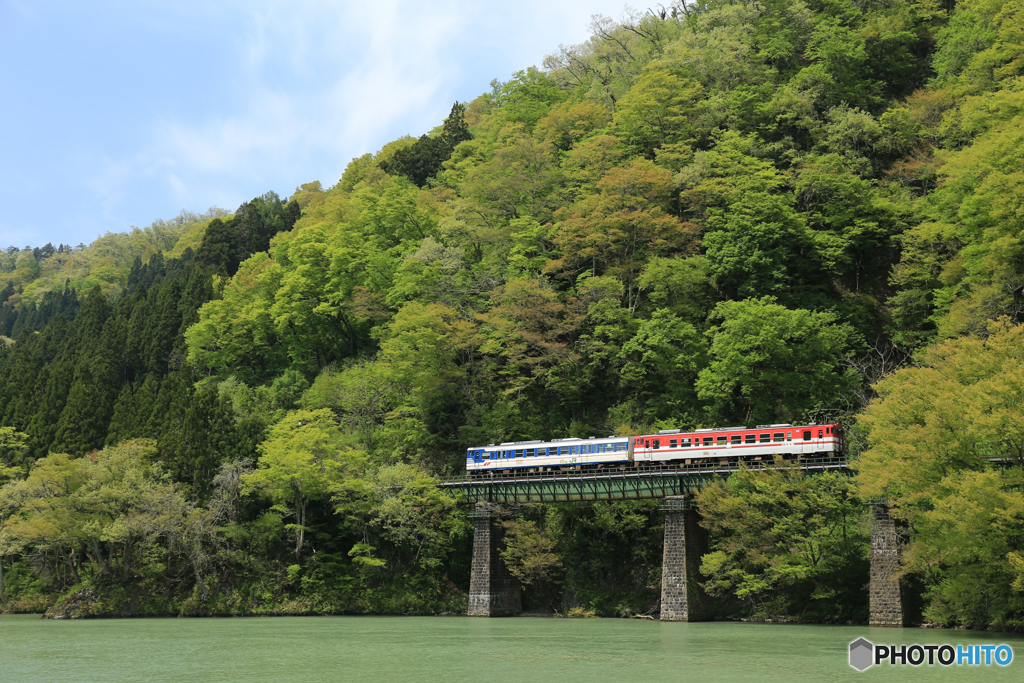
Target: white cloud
point(320, 83)
point(309, 85)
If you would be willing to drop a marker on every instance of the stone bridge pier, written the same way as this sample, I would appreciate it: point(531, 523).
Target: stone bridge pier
point(888, 601)
point(493, 591)
point(682, 598)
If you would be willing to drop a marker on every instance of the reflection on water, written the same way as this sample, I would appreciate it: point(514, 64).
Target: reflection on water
point(458, 649)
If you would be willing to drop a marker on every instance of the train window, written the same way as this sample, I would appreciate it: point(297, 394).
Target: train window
point(708, 440)
point(789, 436)
point(672, 443)
point(765, 438)
point(685, 443)
point(519, 453)
point(807, 435)
point(657, 443)
point(736, 438)
point(750, 438)
point(778, 436)
point(721, 440)
point(828, 430)
point(647, 443)
point(821, 433)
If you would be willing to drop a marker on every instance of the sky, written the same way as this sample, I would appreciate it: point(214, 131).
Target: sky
point(115, 113)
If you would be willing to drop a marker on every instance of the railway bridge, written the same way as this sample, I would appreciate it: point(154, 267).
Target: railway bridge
point(494, 591)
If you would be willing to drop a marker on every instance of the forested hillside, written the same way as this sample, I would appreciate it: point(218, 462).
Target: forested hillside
point(714, 214)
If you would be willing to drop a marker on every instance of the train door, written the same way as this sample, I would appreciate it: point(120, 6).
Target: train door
point(818, 434)
point(641, 448)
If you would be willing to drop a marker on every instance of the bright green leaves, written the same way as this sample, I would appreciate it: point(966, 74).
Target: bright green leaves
point(759, 246)
point(304, 459)
point(772, 364)
point(657, 110)
point(526, 97)
point(116, 508)
point(786, 543)
point(930, 436)
point(958, 408)
point(529, 552)
point(617, 230)
point(969, 546)
point(660, 367)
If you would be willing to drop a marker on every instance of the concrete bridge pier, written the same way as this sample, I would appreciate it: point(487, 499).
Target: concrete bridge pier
point(682, 598)
point(888, 595)
point(493, 591)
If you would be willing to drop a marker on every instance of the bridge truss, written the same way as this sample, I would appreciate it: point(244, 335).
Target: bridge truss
point(673, 479)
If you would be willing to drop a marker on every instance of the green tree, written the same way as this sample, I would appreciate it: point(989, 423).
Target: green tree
point(303, 459)
point(658, 109)
point(660, 367)
point(786, 544)
point(616, 231)
point(932, 436)
point(768, 363)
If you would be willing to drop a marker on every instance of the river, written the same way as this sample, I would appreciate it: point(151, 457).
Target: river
point(382, 649)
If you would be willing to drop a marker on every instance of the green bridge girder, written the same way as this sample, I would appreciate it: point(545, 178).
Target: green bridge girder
point(620, 484)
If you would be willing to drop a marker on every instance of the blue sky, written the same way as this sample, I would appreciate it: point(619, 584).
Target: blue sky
point(116, 113)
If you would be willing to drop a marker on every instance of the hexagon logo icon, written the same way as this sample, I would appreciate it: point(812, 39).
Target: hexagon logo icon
point(861, 654)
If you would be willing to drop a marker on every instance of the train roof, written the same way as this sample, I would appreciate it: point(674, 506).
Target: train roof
point(554, 441)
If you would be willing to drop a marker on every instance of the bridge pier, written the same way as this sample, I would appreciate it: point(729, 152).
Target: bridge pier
point(888, 595)
point(682, 598)
point(493, 591)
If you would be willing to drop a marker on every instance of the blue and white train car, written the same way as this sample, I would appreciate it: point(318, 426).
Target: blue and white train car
point(554, 453)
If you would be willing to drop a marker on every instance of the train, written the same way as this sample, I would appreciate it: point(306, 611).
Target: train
point(726, 445)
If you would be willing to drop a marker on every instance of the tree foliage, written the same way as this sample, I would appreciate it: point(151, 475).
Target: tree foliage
point(712, 214)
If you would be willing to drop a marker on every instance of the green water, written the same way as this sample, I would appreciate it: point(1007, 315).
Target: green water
point(384, 649)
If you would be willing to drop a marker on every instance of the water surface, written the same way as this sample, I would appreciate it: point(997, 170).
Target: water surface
point(458, 649)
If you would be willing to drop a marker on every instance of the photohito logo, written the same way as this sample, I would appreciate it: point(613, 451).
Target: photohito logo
point(865, 654)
